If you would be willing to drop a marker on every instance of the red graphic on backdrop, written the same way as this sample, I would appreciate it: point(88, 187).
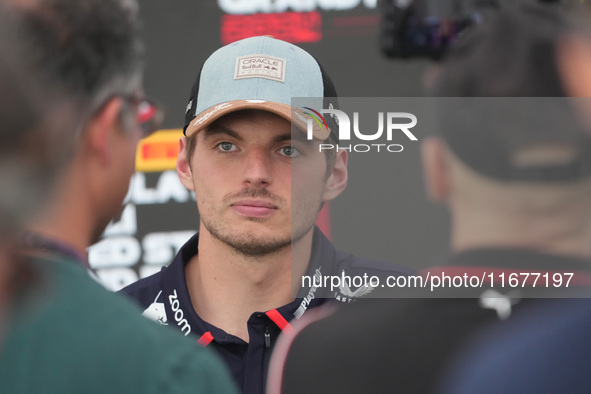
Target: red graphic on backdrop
point(292, 27)
point(159, 150)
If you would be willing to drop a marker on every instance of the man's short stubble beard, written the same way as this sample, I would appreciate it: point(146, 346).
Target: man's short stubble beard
point(253, 245)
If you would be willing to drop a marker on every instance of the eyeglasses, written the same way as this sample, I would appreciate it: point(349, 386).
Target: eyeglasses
point(149, 115)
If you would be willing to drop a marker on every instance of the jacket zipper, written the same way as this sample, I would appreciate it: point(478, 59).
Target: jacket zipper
point(267, 337)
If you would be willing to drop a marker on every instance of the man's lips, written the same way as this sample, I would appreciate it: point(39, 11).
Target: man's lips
point(254, 208)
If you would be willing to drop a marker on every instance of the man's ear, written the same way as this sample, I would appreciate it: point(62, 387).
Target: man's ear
point(337, 181)
point(183, 167)
point(435, 169)
point(99, 129)
point(574, 65)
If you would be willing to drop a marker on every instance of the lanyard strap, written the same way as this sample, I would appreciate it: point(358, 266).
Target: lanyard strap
point(45, 244)
point(273, 314)
point(278, 319)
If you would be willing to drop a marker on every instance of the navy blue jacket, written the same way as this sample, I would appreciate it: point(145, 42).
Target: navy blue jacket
point(165, 298)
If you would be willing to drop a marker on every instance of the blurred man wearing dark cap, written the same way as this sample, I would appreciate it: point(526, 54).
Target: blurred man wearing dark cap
point(513, 165)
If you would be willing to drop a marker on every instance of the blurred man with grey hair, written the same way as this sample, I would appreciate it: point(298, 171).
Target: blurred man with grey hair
point(72, 113)
point(29, 160)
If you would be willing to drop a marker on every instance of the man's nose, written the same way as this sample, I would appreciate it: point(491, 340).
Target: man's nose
point(257, 167)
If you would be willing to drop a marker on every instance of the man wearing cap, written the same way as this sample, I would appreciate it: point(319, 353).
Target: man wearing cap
point(514, 169)
point(236, 285)
point(71, 83)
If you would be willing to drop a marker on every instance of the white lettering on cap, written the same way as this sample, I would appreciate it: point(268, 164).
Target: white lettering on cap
point(211, 112)
point(260, 66)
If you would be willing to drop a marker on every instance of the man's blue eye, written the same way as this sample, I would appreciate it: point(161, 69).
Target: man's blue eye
point(226, 146)
point(289, 151)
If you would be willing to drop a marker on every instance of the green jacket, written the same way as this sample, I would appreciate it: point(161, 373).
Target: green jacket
point(67, 334)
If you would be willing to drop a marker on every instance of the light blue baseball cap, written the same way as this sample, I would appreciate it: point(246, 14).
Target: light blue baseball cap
point(261, 73)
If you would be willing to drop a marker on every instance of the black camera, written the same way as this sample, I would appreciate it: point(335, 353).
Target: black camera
point(426, 28)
